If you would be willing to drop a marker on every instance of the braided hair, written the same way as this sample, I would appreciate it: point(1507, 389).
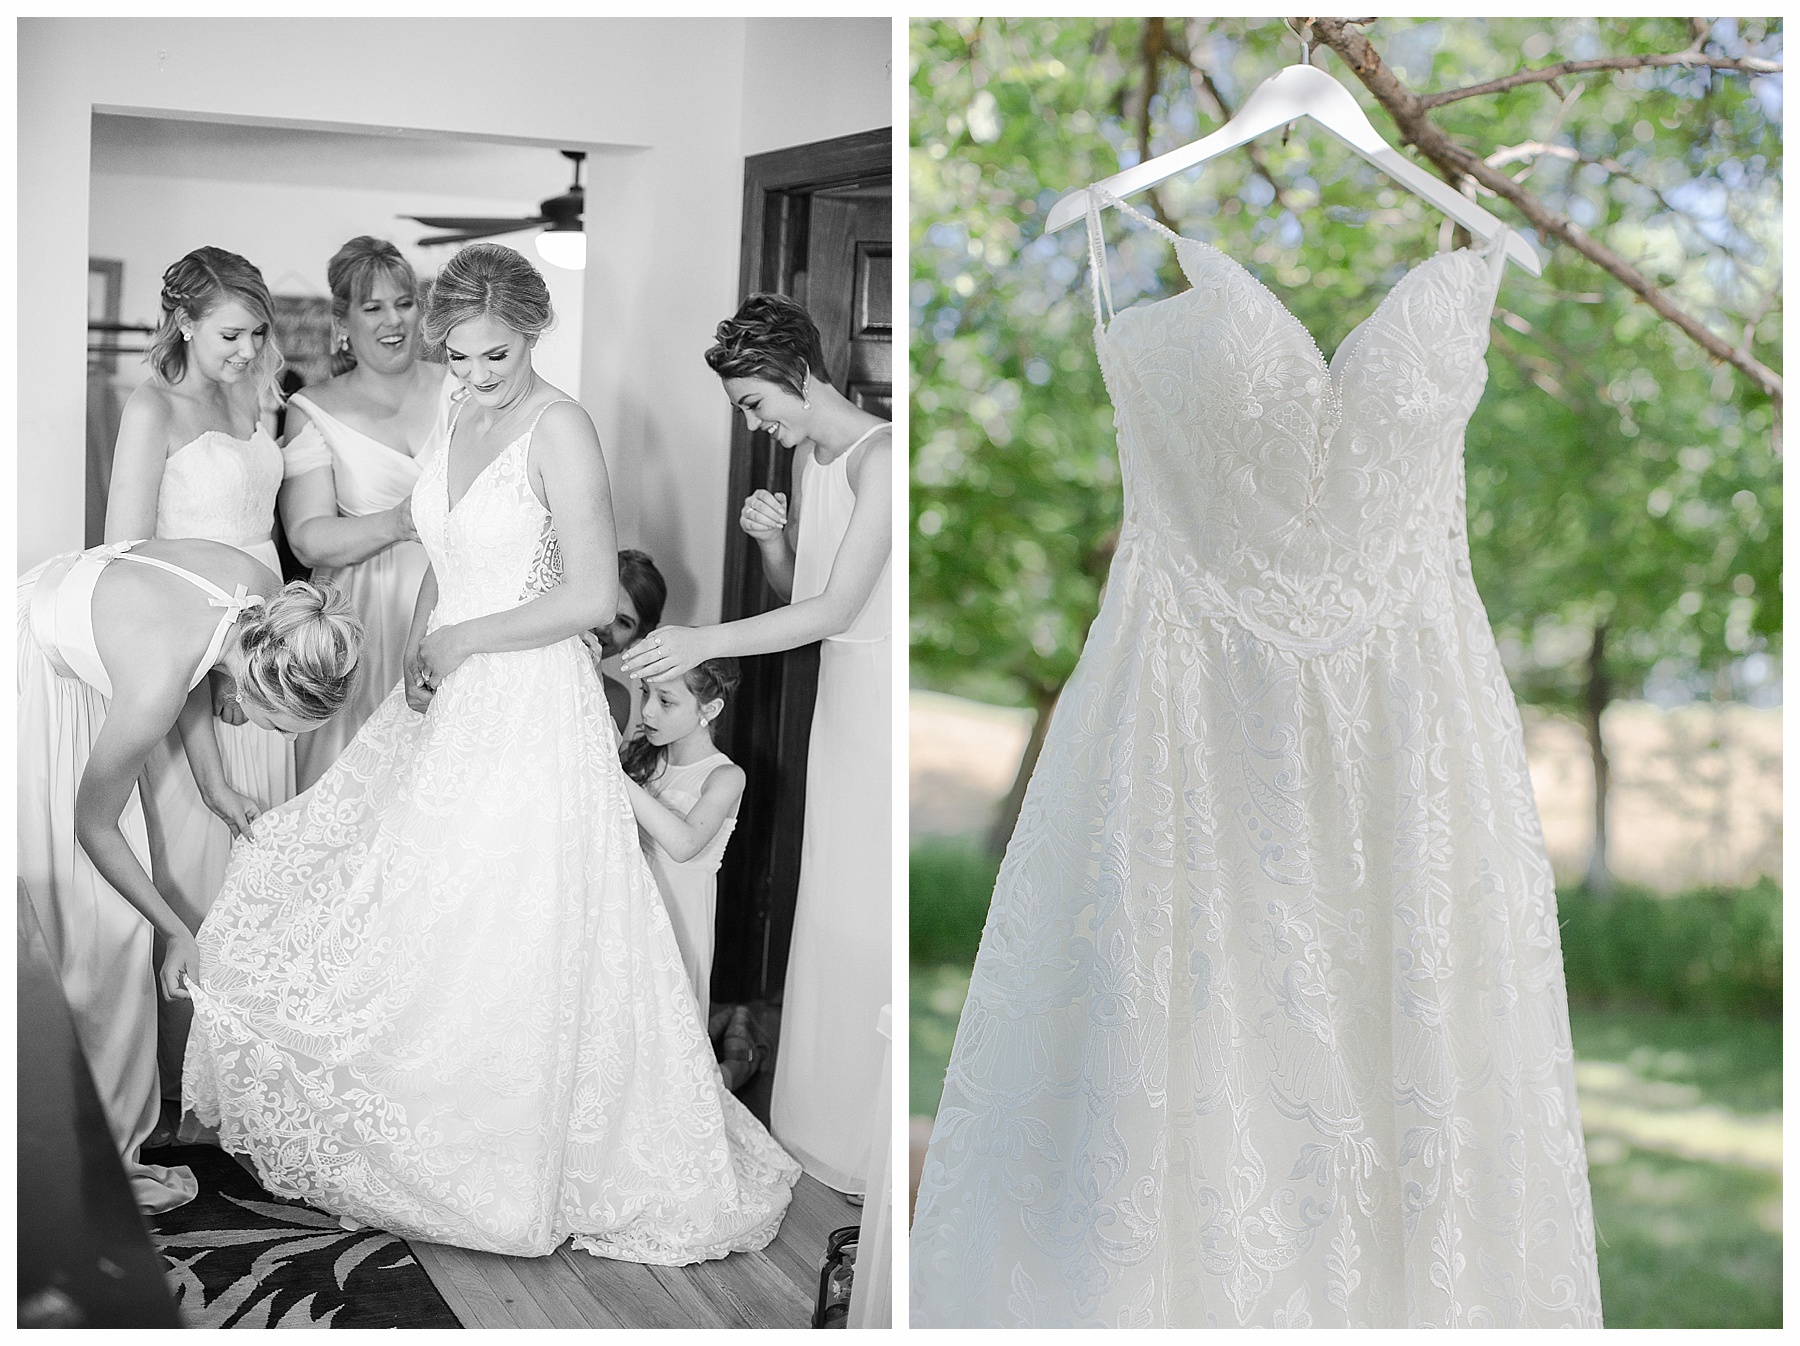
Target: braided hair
point(192, 288)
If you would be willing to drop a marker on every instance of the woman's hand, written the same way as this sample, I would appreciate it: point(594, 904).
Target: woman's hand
point(591, 643)
point(236, 810)
point(225, 699)
point(667, 652)
point(403, 521)
point(180, 964)
point(764, 516)
point(418, 695)
point(440, 654)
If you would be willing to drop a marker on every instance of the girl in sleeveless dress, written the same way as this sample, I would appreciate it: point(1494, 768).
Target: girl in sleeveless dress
point(438, 992)
point(194, 460)
point(111, 659)
point(685, 794)
point(355, 446)
point(829, 556)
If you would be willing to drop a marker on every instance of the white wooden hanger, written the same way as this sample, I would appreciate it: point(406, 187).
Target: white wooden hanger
point(1302, 91)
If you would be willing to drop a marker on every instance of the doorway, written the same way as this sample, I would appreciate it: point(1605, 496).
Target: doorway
point(817, 227)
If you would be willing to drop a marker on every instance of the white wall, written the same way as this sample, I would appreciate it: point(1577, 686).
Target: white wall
point(663, 224)
point(289, 232)
point(812, 79)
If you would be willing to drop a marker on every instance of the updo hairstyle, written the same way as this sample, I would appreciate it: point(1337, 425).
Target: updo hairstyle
point(770, 338)
point(353, 272)
point(488, 280)
point(300, 651)
point(193, 288)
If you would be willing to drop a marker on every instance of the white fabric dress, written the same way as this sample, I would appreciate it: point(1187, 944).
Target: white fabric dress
point(690, 888)
point(369, 477)
point(1268, 1025)
point(102, 946)
point(439, 993)
point(838, 974)
point(222, 488)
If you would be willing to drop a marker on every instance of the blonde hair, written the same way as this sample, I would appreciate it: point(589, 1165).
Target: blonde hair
point(300, 651)
point(192, 288)
point(488, 279)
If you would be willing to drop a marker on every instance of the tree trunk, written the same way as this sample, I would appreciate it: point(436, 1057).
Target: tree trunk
point(1008, 817)
point(1598, 693)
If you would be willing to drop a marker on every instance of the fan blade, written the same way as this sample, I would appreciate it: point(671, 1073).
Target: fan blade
point(480, 233)
point(493, 224)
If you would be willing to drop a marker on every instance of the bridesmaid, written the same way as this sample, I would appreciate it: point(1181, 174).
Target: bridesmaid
point(111, 659)
point(194, 460)
point(828, 554)
point(355, 446)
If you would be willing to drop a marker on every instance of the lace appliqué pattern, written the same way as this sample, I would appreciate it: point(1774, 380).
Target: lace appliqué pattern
point(439, 992)
point(1268, 1024)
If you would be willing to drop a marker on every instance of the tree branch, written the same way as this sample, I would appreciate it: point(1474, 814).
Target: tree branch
point(1411, 116)
point(1204, 85)
point(1743, 65)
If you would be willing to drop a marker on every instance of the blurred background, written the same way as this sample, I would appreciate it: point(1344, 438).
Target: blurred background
point(1624, 506)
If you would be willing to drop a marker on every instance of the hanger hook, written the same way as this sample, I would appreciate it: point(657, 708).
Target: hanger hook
point(1304, 33)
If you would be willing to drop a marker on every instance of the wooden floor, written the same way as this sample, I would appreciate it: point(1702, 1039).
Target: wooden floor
point(776, 1287)
point(772, 1288)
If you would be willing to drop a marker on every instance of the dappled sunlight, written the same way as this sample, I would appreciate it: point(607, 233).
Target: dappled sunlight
point(1621, 1105)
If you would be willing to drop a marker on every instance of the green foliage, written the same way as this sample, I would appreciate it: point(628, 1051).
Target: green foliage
point(1706, 951)
point(1613, 472)
point(950, 883)
point(1683, 1242)
point(1714, 951)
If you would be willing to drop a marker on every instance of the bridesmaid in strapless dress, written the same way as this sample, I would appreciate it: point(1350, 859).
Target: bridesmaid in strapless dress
point(194, 460)
point(111, 658)
point(355, 446)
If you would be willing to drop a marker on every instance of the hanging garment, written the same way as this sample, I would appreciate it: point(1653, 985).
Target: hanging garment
point(1268, 1023)
point(438, 992)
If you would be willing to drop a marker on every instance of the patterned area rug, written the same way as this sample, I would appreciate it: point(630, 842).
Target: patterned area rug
point(239, 1257)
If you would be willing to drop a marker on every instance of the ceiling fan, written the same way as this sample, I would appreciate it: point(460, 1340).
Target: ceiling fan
point(561, 244)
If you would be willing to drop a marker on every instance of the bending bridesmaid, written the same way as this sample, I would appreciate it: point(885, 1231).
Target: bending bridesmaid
point(828, 554)
point(355, 446)
point(194, 460)
point(111, 660)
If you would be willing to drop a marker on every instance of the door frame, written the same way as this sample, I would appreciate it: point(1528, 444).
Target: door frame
point(765, 730)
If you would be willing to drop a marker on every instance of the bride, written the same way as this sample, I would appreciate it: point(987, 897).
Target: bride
point(438, 993)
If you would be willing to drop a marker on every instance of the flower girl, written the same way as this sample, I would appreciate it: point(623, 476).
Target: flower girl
point(685, 794)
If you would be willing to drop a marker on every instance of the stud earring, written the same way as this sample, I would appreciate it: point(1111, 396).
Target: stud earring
point(187, 336)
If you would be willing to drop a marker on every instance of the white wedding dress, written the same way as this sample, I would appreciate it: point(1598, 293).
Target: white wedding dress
point(1268, 1024)
point(439, 993)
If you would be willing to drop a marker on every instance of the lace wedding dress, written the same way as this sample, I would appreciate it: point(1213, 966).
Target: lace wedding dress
point(1268, 1024)
point(439, 993)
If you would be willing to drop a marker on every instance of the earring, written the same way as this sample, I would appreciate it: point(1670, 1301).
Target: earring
point(803, 402)
point(187, 336)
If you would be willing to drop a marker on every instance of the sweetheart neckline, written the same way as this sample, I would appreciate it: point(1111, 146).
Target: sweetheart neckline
point(1327, 366)
point(225, 434)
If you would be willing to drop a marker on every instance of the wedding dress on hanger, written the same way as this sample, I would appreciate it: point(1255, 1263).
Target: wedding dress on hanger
point(1268, 1025)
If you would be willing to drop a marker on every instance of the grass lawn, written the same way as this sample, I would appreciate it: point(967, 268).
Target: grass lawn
point(1687, 1240)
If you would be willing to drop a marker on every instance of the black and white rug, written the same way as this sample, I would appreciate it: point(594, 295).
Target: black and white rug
point(239, 1257)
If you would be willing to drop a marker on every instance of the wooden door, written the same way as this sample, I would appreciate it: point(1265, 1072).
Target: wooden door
point(818, 227)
